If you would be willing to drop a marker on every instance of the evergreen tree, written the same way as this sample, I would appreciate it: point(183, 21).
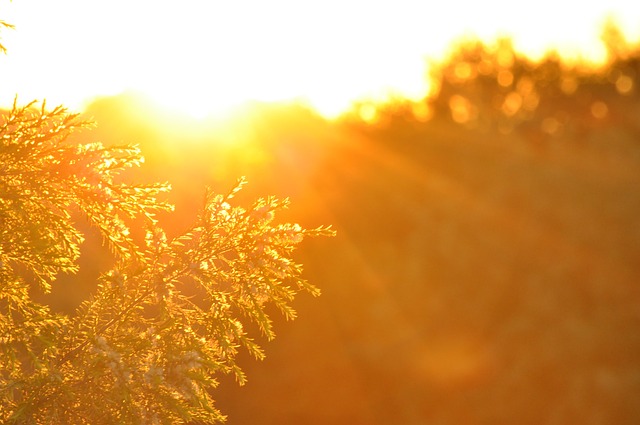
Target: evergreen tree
point(143, 349)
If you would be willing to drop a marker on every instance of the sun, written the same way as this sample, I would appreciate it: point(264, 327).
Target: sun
point(192, 102)
point(205, 58)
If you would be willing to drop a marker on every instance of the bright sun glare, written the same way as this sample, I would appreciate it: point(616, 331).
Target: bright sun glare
point(204, 57)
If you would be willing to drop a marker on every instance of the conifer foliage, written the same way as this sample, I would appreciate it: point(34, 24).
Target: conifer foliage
point(163, 322)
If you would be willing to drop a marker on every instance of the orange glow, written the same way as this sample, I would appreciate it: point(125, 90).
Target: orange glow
point(487, 227)
point(455, 361)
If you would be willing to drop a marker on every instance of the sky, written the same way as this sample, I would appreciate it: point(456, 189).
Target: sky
point(205, 56)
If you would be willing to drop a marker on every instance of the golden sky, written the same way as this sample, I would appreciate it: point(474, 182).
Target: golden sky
point(202, 56)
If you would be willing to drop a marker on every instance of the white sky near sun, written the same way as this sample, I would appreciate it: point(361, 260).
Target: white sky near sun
point(207, 55)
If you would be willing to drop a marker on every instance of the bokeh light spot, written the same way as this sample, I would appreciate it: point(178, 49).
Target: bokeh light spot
point(368, 113)
point(531, 101)
point(569, 85)
point(462, 110)
point(512, 104)
point(525, 86)
point(624, 84)
point(422, 111)
point(599, 110)
point(505, 78)
point(463, 71)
